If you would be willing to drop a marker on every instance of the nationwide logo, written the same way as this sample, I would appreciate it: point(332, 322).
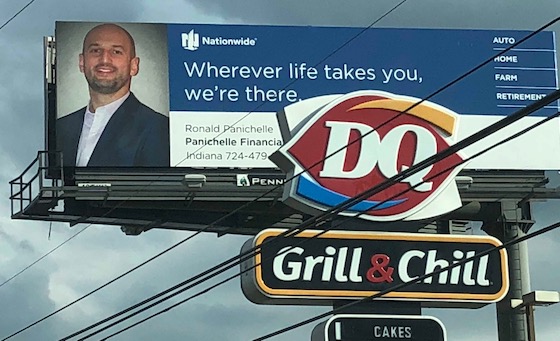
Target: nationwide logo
point(389, 142)
point(191, 41)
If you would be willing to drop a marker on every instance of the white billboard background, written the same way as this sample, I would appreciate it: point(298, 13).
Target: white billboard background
point(101, 253)
point(220, 139)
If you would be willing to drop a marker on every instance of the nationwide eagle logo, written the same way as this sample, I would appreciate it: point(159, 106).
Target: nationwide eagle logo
point(389, 139)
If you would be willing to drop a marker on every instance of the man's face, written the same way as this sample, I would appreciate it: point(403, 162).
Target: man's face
point(108, 60)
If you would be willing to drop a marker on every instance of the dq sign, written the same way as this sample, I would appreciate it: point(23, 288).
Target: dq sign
point(348, 144)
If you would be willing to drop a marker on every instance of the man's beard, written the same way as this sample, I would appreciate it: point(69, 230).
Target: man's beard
point(105, 87)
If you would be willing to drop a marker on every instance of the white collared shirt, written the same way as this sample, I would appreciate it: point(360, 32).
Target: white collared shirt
point(94, 124)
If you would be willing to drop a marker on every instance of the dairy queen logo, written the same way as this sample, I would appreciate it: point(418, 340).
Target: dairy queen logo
point(390, 142)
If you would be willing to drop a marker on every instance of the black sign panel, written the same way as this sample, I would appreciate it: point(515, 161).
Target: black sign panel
point(356, 327)
point(342, 264)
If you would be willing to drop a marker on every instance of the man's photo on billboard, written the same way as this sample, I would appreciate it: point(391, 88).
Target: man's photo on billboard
point(112, 95)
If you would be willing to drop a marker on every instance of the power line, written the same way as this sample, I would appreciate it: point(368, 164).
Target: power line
point(201, 230)
point(470, 140)
point(93, 291)
point(296, 175)
point(43, 256)
point(67, 240)
point(346, 43)
point(336, 310)
point(17, 13)
point(158, 254)
point(418, 279)
point(317, 235)
point(535, 107)
point(432, 95)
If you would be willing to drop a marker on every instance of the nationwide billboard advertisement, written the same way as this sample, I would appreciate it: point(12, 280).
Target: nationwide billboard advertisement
point(317, 267)
point(207, 95)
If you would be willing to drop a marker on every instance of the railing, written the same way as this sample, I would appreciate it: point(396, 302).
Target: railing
point(40, 180)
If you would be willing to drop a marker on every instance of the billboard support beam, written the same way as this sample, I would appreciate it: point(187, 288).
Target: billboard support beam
point(380, 307)
point(514, 223)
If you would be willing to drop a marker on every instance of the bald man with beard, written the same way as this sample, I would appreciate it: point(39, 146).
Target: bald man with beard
point(114, 129)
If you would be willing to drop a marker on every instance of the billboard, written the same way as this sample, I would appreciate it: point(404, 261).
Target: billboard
point(337, 265)
point(208, 94)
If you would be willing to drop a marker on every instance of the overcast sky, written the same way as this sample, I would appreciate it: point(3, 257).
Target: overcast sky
point(103, 252)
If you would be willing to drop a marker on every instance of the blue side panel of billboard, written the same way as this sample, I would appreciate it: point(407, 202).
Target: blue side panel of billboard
point(264, 68)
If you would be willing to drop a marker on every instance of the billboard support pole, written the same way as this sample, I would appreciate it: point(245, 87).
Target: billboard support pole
point(380, 307)
point(515, 222)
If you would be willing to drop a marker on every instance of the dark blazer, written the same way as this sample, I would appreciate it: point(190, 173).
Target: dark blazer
point(135, 136)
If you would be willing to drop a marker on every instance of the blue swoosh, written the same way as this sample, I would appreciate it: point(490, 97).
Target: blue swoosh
point(319, 194)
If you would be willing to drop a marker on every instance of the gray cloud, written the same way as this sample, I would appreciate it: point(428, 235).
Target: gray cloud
point(429, 13)
point(26, 300)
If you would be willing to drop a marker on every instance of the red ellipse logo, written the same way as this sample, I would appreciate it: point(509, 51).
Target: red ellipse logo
point(388, 141)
